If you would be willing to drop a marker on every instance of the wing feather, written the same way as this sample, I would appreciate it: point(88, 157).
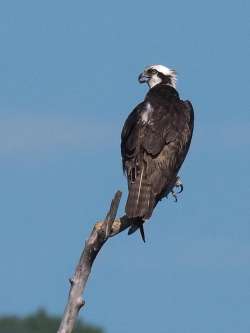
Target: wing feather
point(153, 152)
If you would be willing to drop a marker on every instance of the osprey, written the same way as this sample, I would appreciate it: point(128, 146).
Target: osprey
point(154, 143)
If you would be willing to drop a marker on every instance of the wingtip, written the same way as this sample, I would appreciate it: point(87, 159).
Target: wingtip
point(142, 233)
point(133, 228)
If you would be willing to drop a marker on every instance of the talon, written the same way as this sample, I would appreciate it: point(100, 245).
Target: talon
point(178, 184)
point(174, 195)
point(181, 188)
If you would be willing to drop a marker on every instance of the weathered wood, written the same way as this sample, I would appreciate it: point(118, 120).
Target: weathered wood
point(99, 235)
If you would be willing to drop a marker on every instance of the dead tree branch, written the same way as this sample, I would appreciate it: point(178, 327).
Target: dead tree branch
point(99, 235)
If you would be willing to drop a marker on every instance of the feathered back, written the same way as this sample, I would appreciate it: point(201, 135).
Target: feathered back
point(155, 140)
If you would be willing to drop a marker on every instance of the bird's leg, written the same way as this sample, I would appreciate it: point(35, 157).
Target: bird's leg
point(178, 184)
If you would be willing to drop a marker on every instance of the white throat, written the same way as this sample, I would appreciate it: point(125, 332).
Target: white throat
point(154, 80)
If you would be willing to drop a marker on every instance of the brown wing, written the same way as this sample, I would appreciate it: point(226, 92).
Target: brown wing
point(163, 168)
point(153, 153)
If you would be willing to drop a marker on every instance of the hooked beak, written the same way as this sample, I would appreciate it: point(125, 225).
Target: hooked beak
point(143, 78)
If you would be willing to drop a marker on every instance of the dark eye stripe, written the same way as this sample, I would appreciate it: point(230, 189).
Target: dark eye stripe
point(152, 71)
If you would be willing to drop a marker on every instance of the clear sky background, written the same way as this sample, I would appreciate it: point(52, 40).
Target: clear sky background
point(68, 79)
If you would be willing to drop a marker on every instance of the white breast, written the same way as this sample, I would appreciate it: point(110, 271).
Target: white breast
point(146, 113)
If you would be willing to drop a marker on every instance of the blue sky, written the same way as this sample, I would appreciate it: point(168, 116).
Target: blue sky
point(68, 81)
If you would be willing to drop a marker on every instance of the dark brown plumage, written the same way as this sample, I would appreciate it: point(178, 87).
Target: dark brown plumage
point(154, 142)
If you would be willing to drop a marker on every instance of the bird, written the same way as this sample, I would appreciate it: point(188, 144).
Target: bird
point(155, 140)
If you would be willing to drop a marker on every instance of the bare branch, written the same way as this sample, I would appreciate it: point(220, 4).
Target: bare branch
point(99, 235)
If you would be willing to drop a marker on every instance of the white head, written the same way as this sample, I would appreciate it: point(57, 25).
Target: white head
point(156, 74)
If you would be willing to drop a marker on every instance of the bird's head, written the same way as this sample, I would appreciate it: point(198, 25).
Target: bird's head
point(156, 74)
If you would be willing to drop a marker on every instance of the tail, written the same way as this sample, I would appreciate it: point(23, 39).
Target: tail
point(137, 224)
point(140, 202)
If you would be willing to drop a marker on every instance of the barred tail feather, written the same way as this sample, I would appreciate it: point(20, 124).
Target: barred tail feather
point(137, 224)
point(140, 201)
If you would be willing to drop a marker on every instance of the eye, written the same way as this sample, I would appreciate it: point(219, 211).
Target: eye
point(152, 71)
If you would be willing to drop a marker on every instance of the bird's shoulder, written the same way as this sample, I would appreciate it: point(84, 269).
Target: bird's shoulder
point(189, 111)
point(133, 119)
point(157, 121)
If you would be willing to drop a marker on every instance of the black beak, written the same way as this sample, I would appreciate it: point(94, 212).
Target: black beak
point(143, 78)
